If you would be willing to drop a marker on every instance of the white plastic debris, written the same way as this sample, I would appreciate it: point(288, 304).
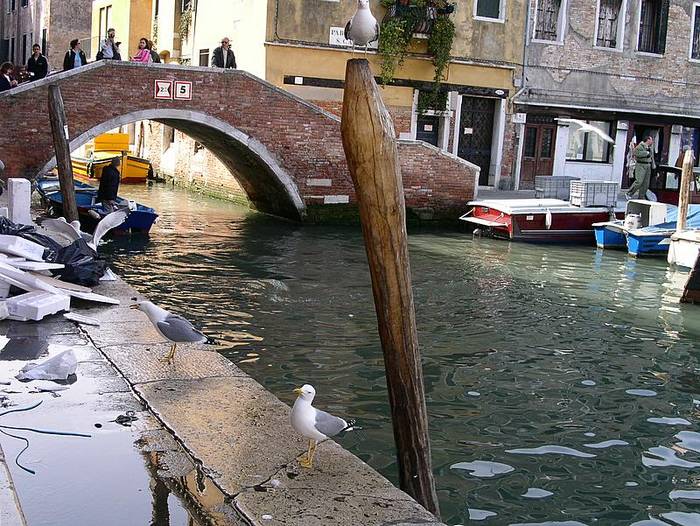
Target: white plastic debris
point(60, 367)
point(72, 316)
point(19, 193)
point(4, 289)
point(109, 276)
point(267, 517)
point(37, 305)
point(35, 265)
point(3, 313)
point(18, 246)
point(4, 212)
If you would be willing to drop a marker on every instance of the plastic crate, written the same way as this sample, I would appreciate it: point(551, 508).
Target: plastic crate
point(553, 187)
point(594, 193)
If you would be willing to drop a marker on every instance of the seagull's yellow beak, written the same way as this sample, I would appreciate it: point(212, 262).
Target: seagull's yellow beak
point(298, 391)
point(134, 306)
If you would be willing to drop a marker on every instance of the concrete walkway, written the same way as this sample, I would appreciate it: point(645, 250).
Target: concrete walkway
point(238, 434)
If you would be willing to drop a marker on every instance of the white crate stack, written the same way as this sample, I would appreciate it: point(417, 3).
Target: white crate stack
point(553, 187)
point(594, 193)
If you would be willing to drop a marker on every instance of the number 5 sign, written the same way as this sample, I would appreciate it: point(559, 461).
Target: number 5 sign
point(183, 90)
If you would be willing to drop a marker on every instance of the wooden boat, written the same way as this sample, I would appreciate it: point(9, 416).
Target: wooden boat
point(102, 150)
point(538, 220)
point(140, 219)
point(133, 169)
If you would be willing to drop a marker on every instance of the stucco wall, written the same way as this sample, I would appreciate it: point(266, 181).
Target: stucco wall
point(576, 70)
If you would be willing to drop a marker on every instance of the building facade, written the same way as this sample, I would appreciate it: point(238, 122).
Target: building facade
point(306, 54)
point(630, 68)
point(130, 19)
point(51, 24)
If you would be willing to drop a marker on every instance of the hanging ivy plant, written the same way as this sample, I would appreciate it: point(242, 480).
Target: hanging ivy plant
point(185, 23)
point(402, 20)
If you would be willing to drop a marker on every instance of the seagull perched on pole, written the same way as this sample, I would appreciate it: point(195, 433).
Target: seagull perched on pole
point(362, 28)
point(172, 327)
point(584, 127)
point(313, 423)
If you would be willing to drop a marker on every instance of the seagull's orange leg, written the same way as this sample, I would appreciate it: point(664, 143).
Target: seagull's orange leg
point(170, 357)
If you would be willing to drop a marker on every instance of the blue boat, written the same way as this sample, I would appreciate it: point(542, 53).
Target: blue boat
point(647, 228)
point(140, 219)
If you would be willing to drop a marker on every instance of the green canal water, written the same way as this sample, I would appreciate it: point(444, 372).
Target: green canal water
point(562, 382)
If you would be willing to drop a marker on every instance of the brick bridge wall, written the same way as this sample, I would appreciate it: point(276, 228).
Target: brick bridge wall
point(286, 153)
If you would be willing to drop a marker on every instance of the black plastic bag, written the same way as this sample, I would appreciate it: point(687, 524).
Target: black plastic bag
point(29, 233)
point(83, 266)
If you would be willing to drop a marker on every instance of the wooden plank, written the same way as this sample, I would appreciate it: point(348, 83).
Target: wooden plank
point(687, 177)
point(370, 148)
point(59, 129)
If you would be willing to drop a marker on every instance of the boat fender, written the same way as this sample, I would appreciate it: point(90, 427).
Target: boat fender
point(548, 219)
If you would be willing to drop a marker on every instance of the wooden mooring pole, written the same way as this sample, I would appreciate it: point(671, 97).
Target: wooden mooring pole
point(59, 129)
point(370, 148)
point(684, 193)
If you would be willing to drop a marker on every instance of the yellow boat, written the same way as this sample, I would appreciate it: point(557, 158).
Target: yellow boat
point(105, 148)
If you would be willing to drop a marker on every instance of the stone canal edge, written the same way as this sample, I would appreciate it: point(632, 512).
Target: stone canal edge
point(240, 433)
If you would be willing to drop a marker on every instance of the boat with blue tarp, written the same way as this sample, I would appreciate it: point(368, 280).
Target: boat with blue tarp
point(646, 229)
point(140, 220)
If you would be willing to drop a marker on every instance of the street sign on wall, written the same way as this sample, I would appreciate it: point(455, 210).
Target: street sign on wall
point(163, 89)
point(183, 90)
point(337, 38)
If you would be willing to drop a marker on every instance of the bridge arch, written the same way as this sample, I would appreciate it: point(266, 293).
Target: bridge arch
point(269, 187)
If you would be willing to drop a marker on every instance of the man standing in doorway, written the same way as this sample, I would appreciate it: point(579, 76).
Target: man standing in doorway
point(37, 65)
point(223, 56)
point(644, 156)
point(75, 57)
point(109, 49)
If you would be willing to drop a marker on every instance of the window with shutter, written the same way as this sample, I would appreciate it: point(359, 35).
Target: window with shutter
point(652, 26)
point(695, 42)
point(547, 19)
point(608, 23)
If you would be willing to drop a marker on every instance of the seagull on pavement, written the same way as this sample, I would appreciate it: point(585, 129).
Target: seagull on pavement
point(362, 28)
point(172, 327)
point(313, 423)
point(584, 127)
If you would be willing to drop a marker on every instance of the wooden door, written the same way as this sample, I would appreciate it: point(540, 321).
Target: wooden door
point(538, 153)
point(476, 134)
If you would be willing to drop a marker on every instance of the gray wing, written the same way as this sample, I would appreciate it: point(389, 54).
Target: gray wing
point(347, 29)
point(328, 424)
point(177, 329)
point(376, 33)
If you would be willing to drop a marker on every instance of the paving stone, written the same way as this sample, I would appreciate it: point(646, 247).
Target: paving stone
point(142, 363)
point(123, 333)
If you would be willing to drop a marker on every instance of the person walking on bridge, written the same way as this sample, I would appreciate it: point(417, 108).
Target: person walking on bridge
point(75, 57)
point(109, 49)
point(644, 157)
point(37, 65)
point(144, 53)
point(223, 56)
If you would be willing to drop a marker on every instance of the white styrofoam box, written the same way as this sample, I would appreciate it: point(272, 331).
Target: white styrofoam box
point(3, 310)
point(36, 305)
point(19, 192)
point(594, 193)
point(18, 246)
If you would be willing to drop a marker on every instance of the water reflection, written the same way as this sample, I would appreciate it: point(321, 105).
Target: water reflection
point(559, 343)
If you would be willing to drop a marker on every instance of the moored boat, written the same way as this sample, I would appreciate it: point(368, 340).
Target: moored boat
point(102, 150)
point(140, 219)
point(538, 220)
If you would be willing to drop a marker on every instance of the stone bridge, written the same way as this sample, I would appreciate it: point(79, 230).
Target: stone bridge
point(285, 152)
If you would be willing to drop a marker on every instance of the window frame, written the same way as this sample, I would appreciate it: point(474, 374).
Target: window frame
point(639, 33)
point(609, 153)
point(204, 52)
point(693, 22)
point(24, 3)
point(622, 19)
point(561, 25)
point(501, 13)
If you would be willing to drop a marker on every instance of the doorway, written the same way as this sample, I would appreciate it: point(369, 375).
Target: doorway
point(476, 133)
point(427, 129)
point(636, 133)
point(538, 153)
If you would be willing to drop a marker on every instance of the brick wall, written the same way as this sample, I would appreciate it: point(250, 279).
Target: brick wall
point(292, 138)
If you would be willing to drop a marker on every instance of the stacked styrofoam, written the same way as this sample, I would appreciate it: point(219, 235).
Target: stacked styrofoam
point(36, 305)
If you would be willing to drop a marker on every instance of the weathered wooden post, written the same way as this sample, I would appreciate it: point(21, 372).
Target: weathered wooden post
point(684, 194)
point(59, 129)
point(370, 148)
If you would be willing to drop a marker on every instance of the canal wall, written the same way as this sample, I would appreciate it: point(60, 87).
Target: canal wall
point(240, 433)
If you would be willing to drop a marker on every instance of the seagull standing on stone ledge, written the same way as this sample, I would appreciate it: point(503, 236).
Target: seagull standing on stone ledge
point(362, 27)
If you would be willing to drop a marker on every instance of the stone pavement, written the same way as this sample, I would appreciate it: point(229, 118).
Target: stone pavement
point(230, 453)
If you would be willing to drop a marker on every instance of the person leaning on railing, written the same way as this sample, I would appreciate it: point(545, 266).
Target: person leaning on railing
point(6, 79)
